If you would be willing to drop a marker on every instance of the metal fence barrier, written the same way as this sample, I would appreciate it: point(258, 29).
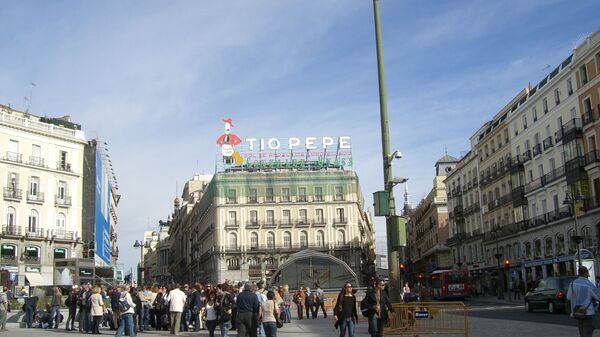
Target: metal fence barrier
point(428, 318)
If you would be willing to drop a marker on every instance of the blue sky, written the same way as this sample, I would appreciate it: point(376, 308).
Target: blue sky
point(155, 78)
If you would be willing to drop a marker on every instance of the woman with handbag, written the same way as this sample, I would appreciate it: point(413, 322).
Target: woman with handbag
point(344, 312)
point(97, 309)
point(210, 314)
point(269, 316)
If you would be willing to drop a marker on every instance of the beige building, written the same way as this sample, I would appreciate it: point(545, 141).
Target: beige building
point(41, 167)
point(244, 225)
point(428, 230)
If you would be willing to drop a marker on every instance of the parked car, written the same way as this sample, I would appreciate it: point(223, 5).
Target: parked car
point(550, 293)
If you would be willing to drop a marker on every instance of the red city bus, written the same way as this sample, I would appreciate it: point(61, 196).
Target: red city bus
point(446, 284)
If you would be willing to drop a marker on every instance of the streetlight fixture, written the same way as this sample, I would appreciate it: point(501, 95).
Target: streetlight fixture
point(141, 245)
point(498, 256)
point(572, 201)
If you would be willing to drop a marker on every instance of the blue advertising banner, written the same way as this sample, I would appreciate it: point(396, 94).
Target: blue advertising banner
point(102, 227)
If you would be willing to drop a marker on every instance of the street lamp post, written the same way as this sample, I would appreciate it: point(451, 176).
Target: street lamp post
point(572, 201)
point(141, 245)
point(498, 256)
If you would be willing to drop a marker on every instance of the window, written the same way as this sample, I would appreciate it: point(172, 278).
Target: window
point(62, 163)
point(270, 240)
point(339, 193)
point(320, 239)
point(302, 215)
point(524, 121)
point(339, 215)
point(569, 87)
point(545, 105)
point(232, 240)
point(8, 252)
point(516, 250)
point(302, 194)
point(252, 195)
point(528, 250)
point(286, 217)
point(32, 253)
point(232, 218)
point(597, 64)
point(253, 217)
point(61, 224)
point(319, 219)
point(36, 155)
point(231, 196)
point(560, 244)
point(587, 237)
point(270, 217)
point(285, 194)
point(557, 96)
point(583, 74)
point(269, 194)
point(534, 112)
point(13, 151)
point(318, 193)
point(11, 217)
point(341, 238)
point(548, 246)
point(303, 239)
point(253, 240)
point(13, 182)
point(62, 190)
point(60, 253)
point(287, 240)
point(537, 248)
point(34, 186)
point(32, 226)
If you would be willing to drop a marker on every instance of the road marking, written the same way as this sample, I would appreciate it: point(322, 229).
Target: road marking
point(502, 307)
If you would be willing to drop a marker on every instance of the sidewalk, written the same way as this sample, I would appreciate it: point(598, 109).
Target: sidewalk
point(494, 300)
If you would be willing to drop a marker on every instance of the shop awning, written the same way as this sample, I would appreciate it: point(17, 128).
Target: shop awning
point(35, 279)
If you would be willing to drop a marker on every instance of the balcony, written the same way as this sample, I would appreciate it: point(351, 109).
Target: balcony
point(518, 196)
point(572, 130)
point(286, 223)
point(561, 213)
point(232, 248)
point(537, 149)
point(458, 211)
point(319, 223)
point(318, 198)
point(558, 136)
point(62, 234)
point(269, 224)
point(554, 175)
point(63, 166)
point(526, 156)
point(232, 223)
point(14, 157)
point(8, 259)
point(231, 200)
point(252, 200)
point(11, 230)
point(340, 220)
point(592, 157)
point(233, 267)
point(548, 143)
point(302, 223)
point(252, 224)
point(589, 117)
point(29, 259)
point(534, 185)
point(575, 169)
point(35, 233)
point(62, 201)
point(13, 194)
point(36, 161)
point(301, 198)
point(269, 199)
point(35, 198)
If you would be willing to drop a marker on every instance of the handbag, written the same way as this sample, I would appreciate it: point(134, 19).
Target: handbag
point(579, 311)
point(277, 320)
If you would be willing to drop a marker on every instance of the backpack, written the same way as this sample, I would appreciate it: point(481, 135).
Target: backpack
point(364, 308)
point(123, 304)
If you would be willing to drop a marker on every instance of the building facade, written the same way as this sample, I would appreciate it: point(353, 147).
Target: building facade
point(41, 167)
point(246, 224)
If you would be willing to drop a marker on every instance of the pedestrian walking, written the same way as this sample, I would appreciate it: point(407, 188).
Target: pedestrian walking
point(97, 309)
point(345, 314)
point(308, 302)
point(287, 302)
point(581, 293)
point(269, 312)
point(127, 308)
point(377, 300)
point(210, 314)
point(177, 300)
point(247, 312)
point(3, 308)
point(30, 308)
point(299, 299)
point(224, 306)
point(55, 310)
point(319, 301)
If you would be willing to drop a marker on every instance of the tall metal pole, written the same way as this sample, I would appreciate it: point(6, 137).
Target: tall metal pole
point(387, 161)
point(500, 273)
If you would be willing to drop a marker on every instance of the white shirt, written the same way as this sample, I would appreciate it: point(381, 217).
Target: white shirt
point(176, 300)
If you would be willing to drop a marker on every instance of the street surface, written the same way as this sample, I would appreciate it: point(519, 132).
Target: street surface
point(487, 318)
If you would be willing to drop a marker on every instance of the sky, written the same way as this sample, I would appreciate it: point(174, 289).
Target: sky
point(154, 79)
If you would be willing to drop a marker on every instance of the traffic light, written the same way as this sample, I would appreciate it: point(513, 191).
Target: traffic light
point(506, 263)
point(402, 267)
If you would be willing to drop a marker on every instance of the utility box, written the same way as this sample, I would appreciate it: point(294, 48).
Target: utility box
point(381, 203)
point(398, 232)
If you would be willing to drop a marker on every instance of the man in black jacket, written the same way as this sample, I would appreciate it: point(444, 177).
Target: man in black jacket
point(195, 305)
point(247, 311)
point(380, 305)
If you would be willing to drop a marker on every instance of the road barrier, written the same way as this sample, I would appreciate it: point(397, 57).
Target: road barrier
point(428, 318)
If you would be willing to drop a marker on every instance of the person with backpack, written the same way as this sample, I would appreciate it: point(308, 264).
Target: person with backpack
point(345, 314)
point(379, 304)
point(127, 309)
point(581, 294)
